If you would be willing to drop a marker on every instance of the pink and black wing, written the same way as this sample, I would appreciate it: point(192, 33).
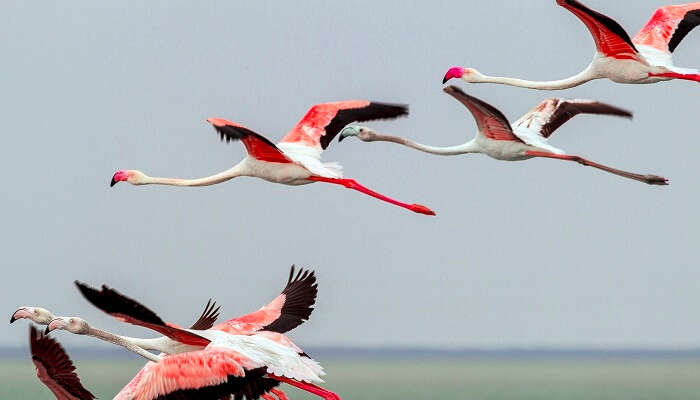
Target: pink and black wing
point(490, 121)
point(552, 113)
point(668, 26)
point(208, 317)
point(610, 38)
point(287, 311)
point(54, 368)
point(210, 373)
point(130, 311)
point(324, 121)
point(256, 145)
point(251, 387)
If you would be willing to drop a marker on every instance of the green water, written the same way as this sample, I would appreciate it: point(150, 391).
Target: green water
point(415, 380)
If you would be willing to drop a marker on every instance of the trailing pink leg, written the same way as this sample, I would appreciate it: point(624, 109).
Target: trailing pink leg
point(649, 179)
point(308, 387)
point(268, 397)
point(675, 75)
point(352, 184)
point(280, 394)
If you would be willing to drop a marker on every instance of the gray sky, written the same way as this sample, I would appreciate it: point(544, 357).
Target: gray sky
point(534, 253)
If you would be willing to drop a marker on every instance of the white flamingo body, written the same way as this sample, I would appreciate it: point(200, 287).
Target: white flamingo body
point(646, 58)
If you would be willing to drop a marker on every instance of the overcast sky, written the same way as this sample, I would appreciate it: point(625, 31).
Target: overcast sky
point(533, 253)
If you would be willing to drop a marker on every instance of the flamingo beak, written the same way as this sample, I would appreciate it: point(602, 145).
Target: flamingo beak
point(454, 72)
point(118, 177)
point(18, 314)
point(53, 325)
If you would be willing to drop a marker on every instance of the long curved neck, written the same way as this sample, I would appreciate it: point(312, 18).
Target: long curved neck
point(206, 181)
point(468, 147)
point(121, 341)
point(584, 76)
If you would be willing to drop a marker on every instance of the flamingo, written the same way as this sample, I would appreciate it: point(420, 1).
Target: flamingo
point(296, 160)
point(213, 362)
point(525, 139)
point(55, 369)
point(287, 311)
point(646, 58)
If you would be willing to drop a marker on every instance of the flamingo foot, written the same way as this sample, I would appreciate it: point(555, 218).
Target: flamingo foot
point(421, 209)
point(280, 394)
point(655, 180)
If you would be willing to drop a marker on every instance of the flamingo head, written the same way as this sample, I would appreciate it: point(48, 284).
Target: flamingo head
point(468, 74)
point(132, 176)
point(71, 324)
point(362, 132)
point(39, 315)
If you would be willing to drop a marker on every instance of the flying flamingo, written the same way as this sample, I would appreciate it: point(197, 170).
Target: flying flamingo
point(55, 369)
point(213, 361)
point(296, 160)
point(646, 58)
point(526, 138)
point(287, 311)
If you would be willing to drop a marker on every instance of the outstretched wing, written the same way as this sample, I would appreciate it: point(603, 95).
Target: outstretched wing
point(287, 311)
point(553, 113)
point(55, 369)
point(256, 145)
point(491, 122)
point(610, 38)
point(668, 27)
point(323, 121)
point(208, 317)
point(211, 373)
point(130, 311)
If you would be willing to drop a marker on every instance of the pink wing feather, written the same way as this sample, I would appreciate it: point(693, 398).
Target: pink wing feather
point(491, 122)
point(610, 38)
point(668, 26)
point(194, 370)
point(324, 121)
point(285, 312)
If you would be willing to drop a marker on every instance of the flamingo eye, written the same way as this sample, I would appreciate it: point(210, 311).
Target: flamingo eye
point(36, 312)
point(71, 321)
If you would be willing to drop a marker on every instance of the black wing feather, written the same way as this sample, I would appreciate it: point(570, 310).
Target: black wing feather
point(208, 317)
point(300, 296)
point(689, 22)
point(113, 302)
point(372, 111)
point(51, 355)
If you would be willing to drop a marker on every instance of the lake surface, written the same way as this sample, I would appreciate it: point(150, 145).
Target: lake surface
point(433, 379)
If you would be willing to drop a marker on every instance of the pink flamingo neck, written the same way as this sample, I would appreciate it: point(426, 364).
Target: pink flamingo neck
point(352, 184)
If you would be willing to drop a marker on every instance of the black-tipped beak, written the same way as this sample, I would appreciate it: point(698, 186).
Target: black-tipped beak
point(113, 182)
point(12, 318)
point(340, 138)
point(445, 79)
point(47, 331)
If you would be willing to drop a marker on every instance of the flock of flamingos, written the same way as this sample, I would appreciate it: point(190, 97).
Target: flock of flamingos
point(250, 356)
